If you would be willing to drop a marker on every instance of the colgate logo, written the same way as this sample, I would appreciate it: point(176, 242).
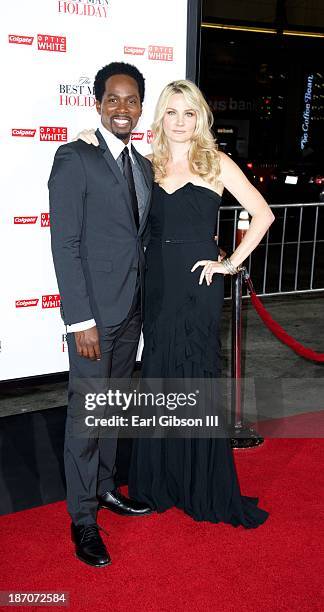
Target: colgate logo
point(25, 220)
point(51, 301)
point(26, 303)
point(137, 135)
point(47, 42)
point(134, 50)
point(45, 220)
point(52, 134)
point(23, 133)
point(162, 54)
point(149, 136)
point(20, 40)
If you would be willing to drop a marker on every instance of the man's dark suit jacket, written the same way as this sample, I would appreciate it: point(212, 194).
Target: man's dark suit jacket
point(96, 247)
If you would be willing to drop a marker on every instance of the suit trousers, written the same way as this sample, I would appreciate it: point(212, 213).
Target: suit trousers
point(90, 458)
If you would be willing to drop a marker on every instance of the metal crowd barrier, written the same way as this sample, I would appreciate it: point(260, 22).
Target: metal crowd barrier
point(308, 236)
point(290, 257)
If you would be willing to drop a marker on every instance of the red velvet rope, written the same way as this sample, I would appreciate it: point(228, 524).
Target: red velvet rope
point(279, 332)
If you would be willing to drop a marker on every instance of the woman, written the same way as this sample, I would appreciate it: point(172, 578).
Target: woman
point(183, 303)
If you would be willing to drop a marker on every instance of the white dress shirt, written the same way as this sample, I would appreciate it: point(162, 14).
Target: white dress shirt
point(115, 146)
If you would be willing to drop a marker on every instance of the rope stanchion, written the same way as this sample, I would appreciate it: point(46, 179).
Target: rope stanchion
point(242, 434)
point(276, 329)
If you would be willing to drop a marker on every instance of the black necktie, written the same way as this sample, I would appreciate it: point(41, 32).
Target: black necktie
point(128, 174)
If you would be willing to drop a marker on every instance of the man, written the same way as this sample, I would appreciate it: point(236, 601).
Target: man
point(99, 200)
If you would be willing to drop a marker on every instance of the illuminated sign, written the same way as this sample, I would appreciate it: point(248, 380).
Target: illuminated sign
point(225, 130)
point(307, 112)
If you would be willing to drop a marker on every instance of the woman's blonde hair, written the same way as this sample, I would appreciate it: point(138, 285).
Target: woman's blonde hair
point(203, 155)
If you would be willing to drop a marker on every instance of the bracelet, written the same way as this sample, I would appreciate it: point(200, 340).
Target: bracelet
point(230, 268)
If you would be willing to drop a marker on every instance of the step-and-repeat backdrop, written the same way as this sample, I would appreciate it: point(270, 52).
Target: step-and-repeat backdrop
point(51, 51)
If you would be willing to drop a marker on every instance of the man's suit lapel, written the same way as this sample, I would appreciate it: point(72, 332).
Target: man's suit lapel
point(113, 166)
point(149, 181)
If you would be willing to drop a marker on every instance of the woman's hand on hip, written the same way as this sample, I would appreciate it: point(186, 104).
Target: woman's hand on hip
point(209, 269)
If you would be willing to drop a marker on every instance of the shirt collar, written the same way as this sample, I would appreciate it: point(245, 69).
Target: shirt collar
point(115, 145)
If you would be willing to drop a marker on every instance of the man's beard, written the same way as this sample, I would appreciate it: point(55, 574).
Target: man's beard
point(122, 136)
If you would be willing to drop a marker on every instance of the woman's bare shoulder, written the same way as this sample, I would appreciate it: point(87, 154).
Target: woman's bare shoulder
point(223, 158)
point(228, 165)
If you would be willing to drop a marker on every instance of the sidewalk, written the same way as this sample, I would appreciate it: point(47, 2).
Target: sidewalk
point(286, 383)
point(301, 315)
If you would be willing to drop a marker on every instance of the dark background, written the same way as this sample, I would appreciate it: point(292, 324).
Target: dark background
point(255, 83)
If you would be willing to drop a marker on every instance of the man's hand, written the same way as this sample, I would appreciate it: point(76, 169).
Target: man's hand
point(87, 343)
point(88, 136)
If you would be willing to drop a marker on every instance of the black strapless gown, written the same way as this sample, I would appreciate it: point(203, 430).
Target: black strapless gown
point(182, 339)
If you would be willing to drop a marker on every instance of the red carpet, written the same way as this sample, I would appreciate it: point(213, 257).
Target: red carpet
point(168, 562)
point(307, 425)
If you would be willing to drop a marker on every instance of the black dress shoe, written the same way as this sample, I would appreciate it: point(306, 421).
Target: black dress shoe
point(115, 501)
point(89, 546)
